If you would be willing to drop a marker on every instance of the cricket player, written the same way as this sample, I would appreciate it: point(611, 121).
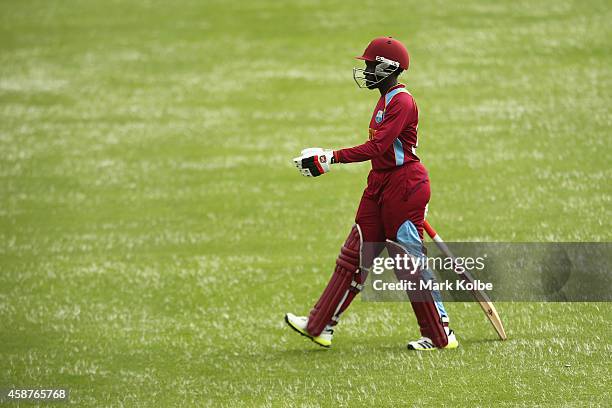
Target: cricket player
point(393, 204)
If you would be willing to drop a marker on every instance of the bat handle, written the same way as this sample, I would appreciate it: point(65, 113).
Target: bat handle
point(437, 239)
point(430, 231)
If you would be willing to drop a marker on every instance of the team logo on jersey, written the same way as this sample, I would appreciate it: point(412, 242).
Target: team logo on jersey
point(379, 116)
point(371, 133)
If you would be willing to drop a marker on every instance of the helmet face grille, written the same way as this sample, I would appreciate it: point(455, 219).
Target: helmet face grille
point(381, 71)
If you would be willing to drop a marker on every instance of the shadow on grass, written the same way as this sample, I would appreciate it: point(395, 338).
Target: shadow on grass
point(306, 350)
point(482, 341)
point(349, 348)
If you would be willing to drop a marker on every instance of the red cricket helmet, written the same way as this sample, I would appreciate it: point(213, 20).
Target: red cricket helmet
point(389, 48)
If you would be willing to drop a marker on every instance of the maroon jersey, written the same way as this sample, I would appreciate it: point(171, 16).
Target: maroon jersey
point(393, 133)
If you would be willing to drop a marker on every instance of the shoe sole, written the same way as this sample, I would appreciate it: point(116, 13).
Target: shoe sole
point(305, 334)
point(447, 347)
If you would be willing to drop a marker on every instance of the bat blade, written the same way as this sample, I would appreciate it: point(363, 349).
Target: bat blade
point(482, 298)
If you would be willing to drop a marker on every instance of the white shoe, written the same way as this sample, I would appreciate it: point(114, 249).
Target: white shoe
point(299, 324)
point(425, 344)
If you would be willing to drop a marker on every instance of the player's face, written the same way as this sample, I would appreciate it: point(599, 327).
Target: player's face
point(369, 74)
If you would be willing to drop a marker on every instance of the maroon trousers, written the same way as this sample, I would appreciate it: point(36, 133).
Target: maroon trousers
point(391, 198)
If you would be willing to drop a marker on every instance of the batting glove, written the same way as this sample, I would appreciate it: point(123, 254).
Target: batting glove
point(314, 161)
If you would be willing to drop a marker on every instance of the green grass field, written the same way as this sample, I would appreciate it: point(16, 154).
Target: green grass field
point(153, 231)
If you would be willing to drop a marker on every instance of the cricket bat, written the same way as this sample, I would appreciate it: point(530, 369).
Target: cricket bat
point(482, 298)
